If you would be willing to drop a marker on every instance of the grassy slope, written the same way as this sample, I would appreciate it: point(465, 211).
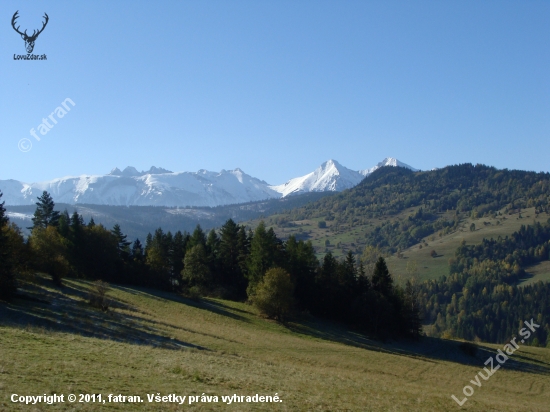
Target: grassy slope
point(445, 247)
point(428, 268)
point(148, 343)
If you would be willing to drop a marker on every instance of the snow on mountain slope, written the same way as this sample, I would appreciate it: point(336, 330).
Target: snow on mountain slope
point(388, 161)
point(330, 176)
point(161, 187)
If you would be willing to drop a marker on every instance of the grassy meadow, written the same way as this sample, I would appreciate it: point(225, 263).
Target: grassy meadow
point(344, 238)
point(446, 245)
point(151, 342)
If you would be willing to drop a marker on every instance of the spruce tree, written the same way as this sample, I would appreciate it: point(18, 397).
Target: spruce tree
point(176, 259)
point(264, 254)
point(381, 279)
point(123, 244)
point(7, 277)
point(197, 238)
point(63, 227)
point(137, 251)
point(45, 215)
point(233, 250)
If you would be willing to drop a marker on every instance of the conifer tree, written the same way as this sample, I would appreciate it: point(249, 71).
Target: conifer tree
point(137, 250)
point(121, 239)
point(195, 271)
point(212, 255)
point(8, 284)
point(177, 256)
point(381, 279)
point(64, 222)
point(233, 250)
point(197, 237)
point(264, 250)
point(45, 215)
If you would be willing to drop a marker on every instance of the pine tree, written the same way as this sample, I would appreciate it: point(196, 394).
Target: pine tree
point(348, 274)
point(213, 255)
point(123, 244)
point(197, 238)
point(45, 215)
point(233, 250)
point(381, 279)
point(137, 251)
point(64, 222)
point(8, 284)
point(177, 256)
point(411, 309)
point(302, 263)
point(264, 250)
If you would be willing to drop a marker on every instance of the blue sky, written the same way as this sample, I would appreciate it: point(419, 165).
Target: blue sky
point(276, 87)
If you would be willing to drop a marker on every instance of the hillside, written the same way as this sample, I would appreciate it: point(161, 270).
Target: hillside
point(138, 221)
point(404, 212)
point(152, 342)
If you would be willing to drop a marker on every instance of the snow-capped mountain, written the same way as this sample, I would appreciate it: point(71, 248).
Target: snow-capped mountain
point(330, 176)
point(127, 188)
point(161, 187)
point(388, 161)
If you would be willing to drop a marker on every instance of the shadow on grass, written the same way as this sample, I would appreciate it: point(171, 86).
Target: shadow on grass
point(65, 310)
point(204, 304)
point(426, 349)
point(528, 276)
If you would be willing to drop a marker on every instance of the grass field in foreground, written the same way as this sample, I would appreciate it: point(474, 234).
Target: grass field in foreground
point(154, 342)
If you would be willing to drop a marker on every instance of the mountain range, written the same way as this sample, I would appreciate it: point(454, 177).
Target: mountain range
point(161, 187)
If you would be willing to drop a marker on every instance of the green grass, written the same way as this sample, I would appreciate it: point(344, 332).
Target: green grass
point(445, 246)
point(353, 238)
point(537, 273)
point(342, 237)
point(153, 342)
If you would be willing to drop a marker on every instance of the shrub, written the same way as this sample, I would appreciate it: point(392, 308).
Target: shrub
point(274, 294)
point(194, 293)
point(433, 253)
point(98, 295)
point(322, 224)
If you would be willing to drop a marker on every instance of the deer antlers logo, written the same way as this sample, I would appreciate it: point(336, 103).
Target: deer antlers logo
point(29, 40)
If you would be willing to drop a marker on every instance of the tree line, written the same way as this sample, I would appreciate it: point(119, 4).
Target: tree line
point(232, 263)
point(482, 299)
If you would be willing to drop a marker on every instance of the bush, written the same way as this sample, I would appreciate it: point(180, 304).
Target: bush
point(433, 253)
point(468, 348)
point(194, 293)
point(98, 295)
point(322, 224)
point(274, 294)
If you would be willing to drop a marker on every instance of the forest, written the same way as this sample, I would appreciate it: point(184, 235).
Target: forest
point(479, 299)
point(280, 277)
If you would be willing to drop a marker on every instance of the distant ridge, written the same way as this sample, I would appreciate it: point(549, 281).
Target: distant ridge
point(162, 187)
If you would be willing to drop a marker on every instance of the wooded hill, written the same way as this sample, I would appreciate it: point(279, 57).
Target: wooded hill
point(372, 212)
point(476, 292)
